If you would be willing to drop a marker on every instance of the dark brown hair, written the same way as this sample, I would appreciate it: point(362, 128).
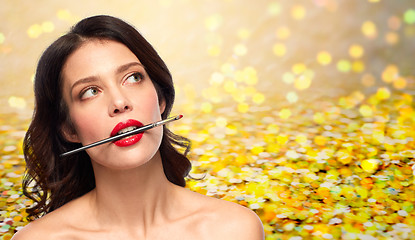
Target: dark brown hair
point(51, 181)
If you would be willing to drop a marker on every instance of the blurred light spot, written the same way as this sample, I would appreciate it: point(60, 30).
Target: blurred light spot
point(344, 66)
point(292, 97)
point(365, 110)
point(299, 68)
point(302, 82)
point(285, 113)
point(206, 107)
point(374, 1)
point(394, 23)
point(409, 16)
point(213, 22)
point(240, 49)
point(244, 33)
point(358, 66)
point(230, 86)
point(319, 118)
point(239, 97)
point(370, 165)
point(368, 80)
point(356, 51)
point(216, 79)
point(390, 73)
point(48, 26)
point(279, 49)
point(2, 38)
point(274, 8)
point(283, 33)
point(392, 38)
point(64, 14)
point(369, 29)
point(288, 77)
point(227, 68)
point(399, 83)
point(213, 51)
point(298, 12)
point(251, 77)
point(17, 102)
point(324, 58)
point(383, 93)
point(221, 122)
point(34, 31)
point(258, 98)
point(243, 107)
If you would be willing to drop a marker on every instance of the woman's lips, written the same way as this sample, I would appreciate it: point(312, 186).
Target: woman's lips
point(127, 141)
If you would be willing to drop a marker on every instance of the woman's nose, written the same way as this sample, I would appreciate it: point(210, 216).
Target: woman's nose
point(119, 104)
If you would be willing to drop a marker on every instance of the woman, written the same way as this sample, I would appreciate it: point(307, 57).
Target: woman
point(100, 79)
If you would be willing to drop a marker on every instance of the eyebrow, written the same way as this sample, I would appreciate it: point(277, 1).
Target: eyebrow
point(119, 70)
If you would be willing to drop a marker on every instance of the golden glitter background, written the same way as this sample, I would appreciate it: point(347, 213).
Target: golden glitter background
point(300, 110)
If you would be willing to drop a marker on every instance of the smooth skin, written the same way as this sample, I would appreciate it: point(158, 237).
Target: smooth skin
point(104, 84)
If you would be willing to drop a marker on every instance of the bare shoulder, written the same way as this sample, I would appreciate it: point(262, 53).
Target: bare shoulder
point(228, 220)
point(53, 225)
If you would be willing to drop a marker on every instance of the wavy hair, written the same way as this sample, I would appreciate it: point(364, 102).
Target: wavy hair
point(51, 181)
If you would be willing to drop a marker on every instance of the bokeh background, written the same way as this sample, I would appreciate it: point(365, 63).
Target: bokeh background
point(301, 110)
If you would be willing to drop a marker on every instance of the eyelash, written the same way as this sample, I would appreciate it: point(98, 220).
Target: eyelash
point(138, 75)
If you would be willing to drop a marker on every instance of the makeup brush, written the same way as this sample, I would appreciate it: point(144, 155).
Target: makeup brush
point(117, 137)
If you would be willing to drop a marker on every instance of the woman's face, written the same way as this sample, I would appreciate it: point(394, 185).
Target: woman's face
point(107, 90)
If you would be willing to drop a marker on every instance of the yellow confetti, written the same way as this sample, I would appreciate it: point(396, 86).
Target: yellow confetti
point(344, 66)
point(366, 111)
point(285, 113)
point(2, 38)
point(244, 33)
point(400, 83)
point(370, 165)
point(358, 66)
point(356, 51)
point(299, 68)
point(383, 93)
point(258, 98)
point(221, 122)
point(298, 12)
point(369, 29)
point(319, 118)
point(243, 107)
point(390, 73)
point(34, 31)
point(392, 38)
point(213, 22)
point(64, 14)
point(251, 77)
point(279, 49)
point(302, 83)
point(207, 107)
point(240, 49)
point(17, 102)
point(324, 58)
point(292, 97)
point(214, 50)
point(48, 27)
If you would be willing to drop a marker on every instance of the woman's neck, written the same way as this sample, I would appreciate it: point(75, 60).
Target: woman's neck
point(135, 197)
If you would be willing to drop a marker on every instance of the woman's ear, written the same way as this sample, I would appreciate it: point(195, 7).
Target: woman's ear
point(162, 106)
point(69, 133)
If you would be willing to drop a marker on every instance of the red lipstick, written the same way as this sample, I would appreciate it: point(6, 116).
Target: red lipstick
point(128, 141)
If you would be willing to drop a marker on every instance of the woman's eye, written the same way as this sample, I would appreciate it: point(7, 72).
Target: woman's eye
point(134, 78)
point(89, 92)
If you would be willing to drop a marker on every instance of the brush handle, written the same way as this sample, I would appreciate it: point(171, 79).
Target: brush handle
point(126, 134)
